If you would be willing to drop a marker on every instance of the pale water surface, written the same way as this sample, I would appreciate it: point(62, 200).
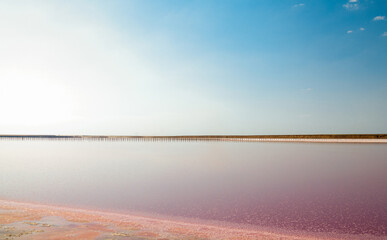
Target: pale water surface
point(339, 188)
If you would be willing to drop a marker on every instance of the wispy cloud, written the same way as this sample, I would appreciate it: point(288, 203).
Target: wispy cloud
point(379, 18)
point(298, 5)
point(349, 31)
point(362, 29)
point(351, 5)
point(384, 34)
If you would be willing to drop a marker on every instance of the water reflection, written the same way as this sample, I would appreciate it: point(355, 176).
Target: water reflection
point(314, 187)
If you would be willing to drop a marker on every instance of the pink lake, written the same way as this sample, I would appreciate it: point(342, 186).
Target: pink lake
point(284, 187)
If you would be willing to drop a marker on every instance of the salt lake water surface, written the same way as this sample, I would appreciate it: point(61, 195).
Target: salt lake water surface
point(311, 187)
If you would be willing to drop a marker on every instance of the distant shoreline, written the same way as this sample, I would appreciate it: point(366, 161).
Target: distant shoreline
point(313, 138)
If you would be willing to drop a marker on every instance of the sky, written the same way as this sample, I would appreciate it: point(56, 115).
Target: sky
point(177, 67)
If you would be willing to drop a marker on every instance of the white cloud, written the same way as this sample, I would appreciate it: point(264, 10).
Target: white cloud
point(379, 18)
point(349, 31)
point(351, 5)
point(384, 34)
point(362, 29)
point(299, 5)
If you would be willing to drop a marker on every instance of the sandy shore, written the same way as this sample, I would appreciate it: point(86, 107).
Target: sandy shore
point(32, 221)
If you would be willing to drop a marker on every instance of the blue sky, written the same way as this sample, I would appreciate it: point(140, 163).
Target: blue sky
point(193, 67)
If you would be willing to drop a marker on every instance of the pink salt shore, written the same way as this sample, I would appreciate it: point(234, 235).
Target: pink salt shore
point(20, 220)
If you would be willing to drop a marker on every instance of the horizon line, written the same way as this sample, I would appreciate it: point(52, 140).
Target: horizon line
point(294, 136)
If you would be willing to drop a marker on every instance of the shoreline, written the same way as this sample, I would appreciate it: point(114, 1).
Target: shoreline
point(322, 138)
point(21, 220)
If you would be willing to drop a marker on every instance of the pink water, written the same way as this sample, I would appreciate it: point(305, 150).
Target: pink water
point(337, 188)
